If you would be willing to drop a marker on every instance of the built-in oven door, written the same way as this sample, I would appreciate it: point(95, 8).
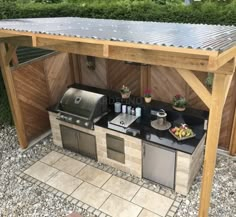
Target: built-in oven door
point(87, 144)
point(69, 138)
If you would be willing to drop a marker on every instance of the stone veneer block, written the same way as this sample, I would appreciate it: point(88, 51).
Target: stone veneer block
point(187, 167)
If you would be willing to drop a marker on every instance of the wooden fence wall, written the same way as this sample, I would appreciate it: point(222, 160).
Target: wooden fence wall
point(39, 84)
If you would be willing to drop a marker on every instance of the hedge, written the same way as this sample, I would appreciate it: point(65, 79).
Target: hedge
point(209, 13)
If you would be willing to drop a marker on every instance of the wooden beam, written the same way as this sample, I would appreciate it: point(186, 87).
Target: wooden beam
point(226, 56)
point(196, 85)
point(11, 51)
point(214, 125)
point(232, 147)
point(13, 100)
point(25, 41)
point(147, 55)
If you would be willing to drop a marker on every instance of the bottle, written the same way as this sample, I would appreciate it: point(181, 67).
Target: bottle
point(132, 111)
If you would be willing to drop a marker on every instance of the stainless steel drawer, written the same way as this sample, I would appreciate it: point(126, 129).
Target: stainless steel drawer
point(115, 143)
point(117, 156)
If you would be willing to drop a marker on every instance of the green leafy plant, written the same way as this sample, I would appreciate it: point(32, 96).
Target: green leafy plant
point(179, 101)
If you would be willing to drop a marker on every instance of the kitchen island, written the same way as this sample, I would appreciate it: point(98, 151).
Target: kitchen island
point(142, 150)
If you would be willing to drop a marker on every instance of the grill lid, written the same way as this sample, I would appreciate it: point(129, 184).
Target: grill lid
point(83, 103)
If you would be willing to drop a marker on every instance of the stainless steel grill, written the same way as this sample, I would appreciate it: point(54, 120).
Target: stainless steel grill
point(82, 107)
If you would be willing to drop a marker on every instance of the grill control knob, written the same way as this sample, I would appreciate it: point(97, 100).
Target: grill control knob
point(86, 124)
point(69, 119)
point(78, 122)
point(62, 117)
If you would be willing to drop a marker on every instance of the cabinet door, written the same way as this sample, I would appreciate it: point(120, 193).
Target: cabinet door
point(87, 144)
point(69, 138)
point(159, 164)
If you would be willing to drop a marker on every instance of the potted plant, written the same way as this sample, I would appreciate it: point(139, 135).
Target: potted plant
point(148, 95)
point(125, 92)
point(179, 103)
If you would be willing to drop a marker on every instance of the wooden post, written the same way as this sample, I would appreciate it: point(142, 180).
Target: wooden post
point(217, 104)
point(11, 92)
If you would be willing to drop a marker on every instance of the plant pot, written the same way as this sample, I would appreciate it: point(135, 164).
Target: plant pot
point(178, 108)
point(125, 95)
point(148, 99)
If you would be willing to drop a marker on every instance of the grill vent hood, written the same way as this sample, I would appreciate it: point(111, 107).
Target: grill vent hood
point(85, 104)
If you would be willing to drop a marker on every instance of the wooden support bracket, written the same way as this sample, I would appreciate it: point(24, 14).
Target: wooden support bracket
point(13, 100)
point(196, 85)
point(11, 51)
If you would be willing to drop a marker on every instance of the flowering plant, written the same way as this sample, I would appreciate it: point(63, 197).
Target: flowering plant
point(124, 89)
point(179, 101)
point(147, 93)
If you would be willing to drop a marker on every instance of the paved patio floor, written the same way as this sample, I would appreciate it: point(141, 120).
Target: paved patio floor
point(100, 192)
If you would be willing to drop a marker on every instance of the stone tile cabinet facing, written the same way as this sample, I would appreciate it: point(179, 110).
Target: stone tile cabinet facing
point(187, 165)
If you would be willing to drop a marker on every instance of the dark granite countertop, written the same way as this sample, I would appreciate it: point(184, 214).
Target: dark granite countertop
point(193, 117)
point(163, 138)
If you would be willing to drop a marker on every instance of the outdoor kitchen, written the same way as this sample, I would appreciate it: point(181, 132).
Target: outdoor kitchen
point(123, 122)
point(100, 124)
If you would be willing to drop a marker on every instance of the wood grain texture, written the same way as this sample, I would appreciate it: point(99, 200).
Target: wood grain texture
point(228, 117)
point(213, 132)
point(97, 77)
point(121, 73)
point(12, 96)
point(32, 93)
point(232, 148)
point(59, 75)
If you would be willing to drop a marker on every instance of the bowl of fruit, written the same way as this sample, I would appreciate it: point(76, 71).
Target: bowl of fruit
point(182, 132)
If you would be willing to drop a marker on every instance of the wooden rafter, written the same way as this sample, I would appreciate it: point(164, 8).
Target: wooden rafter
point(196, 85)
point(11, 92)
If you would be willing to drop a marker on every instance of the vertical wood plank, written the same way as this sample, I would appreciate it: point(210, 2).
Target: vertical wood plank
point(215, 117)
point(144, 79)
point(232, 148)
point(11, 92)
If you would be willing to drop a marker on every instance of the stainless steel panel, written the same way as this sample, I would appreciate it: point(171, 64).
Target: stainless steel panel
point(69, 138)
point(159, 164)
point(117, 156)
point(115, 143)
point(87, 144)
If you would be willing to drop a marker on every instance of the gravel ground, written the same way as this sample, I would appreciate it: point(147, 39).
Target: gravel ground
point(21, 198)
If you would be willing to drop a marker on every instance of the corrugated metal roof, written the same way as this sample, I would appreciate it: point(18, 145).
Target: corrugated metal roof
point(25, 54)
point(196, 36)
